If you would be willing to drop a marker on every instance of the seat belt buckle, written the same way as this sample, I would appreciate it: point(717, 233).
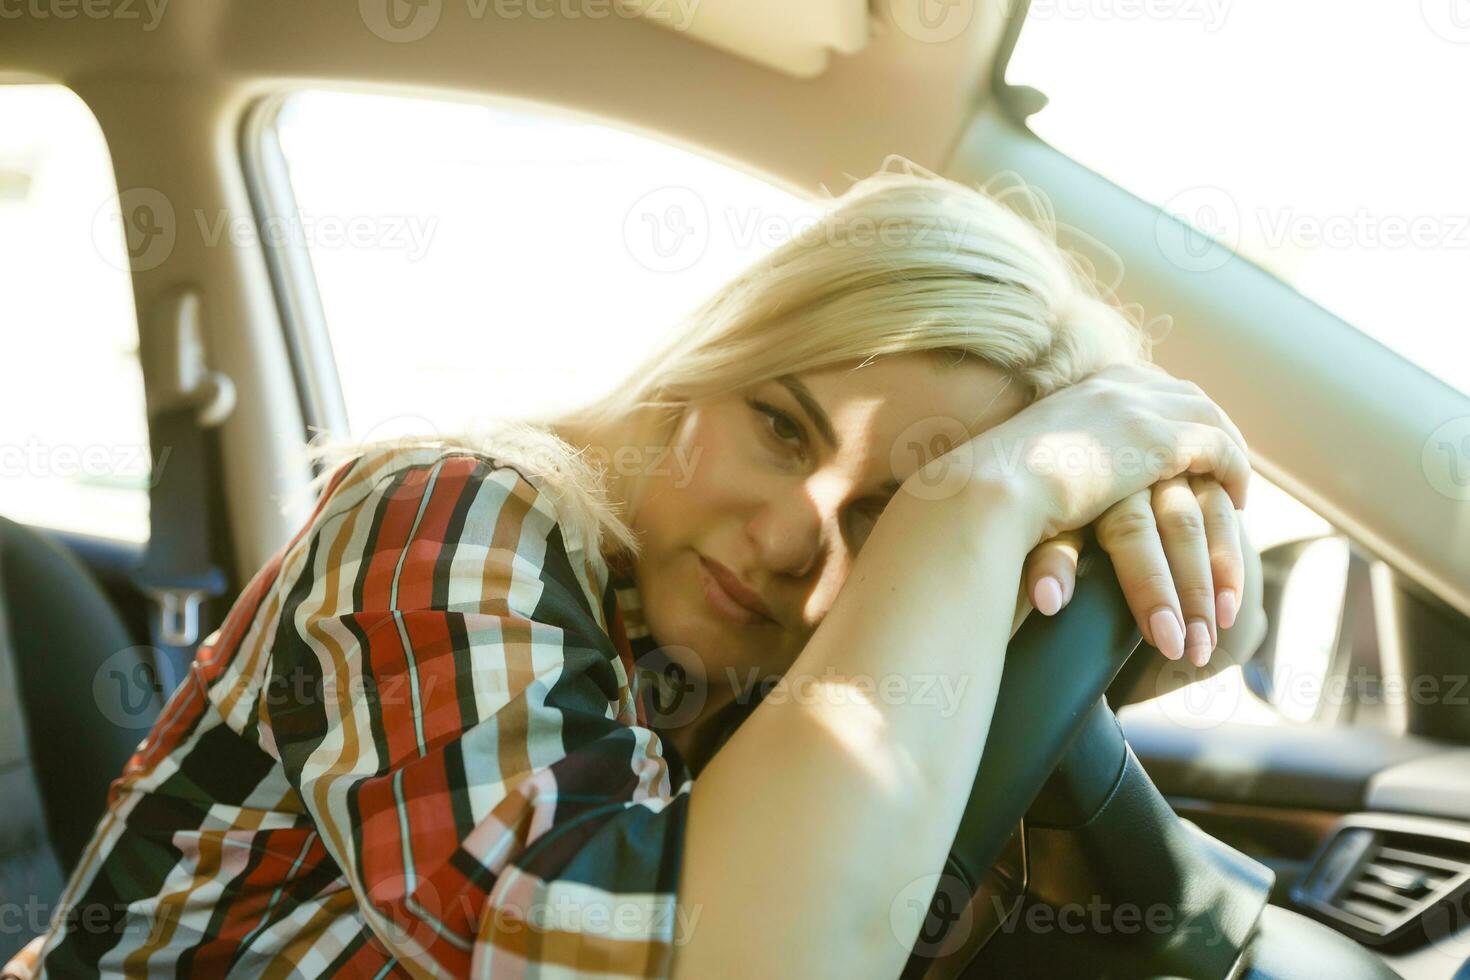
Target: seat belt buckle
point(178, 614)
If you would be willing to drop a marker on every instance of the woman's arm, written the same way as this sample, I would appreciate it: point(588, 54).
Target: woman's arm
point(819, 810)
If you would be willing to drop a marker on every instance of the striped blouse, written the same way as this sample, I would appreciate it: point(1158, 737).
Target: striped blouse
point(416, 747)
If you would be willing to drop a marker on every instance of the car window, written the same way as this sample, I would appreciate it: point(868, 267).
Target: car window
point(460, 253)
point(1324, 141)
point(477, 261)
point(74, 449)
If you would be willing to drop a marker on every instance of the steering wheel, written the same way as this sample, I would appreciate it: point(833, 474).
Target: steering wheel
point(1098, 835)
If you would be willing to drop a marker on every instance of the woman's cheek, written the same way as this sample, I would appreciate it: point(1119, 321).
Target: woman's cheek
point(717, 455)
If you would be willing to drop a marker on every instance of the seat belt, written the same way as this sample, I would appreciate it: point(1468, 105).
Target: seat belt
point(180, 569)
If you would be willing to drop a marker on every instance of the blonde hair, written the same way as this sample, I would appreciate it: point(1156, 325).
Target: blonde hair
point(903, 262)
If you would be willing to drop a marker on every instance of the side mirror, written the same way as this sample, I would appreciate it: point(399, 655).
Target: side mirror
point(1305, 589)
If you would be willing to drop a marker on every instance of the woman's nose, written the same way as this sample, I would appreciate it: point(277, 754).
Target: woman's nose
point(787, 533)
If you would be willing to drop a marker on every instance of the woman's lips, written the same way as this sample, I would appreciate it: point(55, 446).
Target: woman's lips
point(728, 597)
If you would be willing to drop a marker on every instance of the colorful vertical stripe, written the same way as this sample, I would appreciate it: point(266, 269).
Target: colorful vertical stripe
point(414, 748)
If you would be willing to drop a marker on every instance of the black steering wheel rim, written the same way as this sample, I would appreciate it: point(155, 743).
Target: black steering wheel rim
point(1056, 670)
point(1056, 756)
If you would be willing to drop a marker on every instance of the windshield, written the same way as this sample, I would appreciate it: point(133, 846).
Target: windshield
point(1325, 141)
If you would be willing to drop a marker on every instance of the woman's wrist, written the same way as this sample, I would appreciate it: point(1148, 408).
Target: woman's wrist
point(1009, 493)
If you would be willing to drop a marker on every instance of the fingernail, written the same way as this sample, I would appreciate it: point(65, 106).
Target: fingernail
point(1197, 642)
point(1225, 608)
point(1167, 637)
point(1048, 599)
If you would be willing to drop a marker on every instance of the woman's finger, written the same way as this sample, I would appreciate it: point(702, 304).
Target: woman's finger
point(1050, 572)
point(1205, 450)
point(1129, 534)
point(1198, 408)
point(1227, 554)
point(1182, 533)
point(1204, 431)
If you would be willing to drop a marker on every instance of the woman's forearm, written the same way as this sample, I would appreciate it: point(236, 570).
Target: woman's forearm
point(850, 783)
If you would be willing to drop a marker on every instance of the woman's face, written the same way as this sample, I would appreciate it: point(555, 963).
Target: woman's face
point(747, 542)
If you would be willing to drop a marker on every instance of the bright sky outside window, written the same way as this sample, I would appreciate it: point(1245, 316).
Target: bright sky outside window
point(1326, 141)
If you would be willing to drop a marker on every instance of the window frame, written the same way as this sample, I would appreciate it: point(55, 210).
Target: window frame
point(292, 275)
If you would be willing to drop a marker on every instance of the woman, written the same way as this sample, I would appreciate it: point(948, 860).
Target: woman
point(426, 741)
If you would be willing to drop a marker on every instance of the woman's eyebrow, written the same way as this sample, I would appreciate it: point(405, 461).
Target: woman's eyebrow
point(823, 424)
point(813, 409)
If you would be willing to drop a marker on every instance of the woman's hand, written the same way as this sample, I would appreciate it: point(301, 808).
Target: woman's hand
point(1176, 548)
point(1159, 470)
point(1080, 450)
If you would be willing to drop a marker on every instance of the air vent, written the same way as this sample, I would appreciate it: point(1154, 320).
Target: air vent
point(1377, 878)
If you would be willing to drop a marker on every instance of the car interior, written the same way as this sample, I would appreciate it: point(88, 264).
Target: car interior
point(224, 224)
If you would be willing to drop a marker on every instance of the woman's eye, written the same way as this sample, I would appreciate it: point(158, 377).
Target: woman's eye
point(868, 516)
point(860, 522)
point(781, 425)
